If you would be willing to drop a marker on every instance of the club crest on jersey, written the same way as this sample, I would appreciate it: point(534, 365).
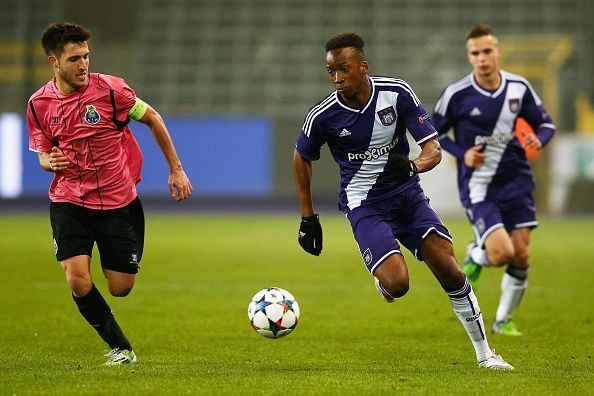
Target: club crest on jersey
point(387, 116)
point(514, 105)
point(92, 116)
point(480, 225)
point(367, 256)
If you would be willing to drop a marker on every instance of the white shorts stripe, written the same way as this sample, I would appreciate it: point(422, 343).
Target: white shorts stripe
point(480, 241)
point(381, 260)
point(527, 224)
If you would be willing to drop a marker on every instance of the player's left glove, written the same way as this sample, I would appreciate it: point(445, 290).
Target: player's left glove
point(310, 235)
point(401, 168)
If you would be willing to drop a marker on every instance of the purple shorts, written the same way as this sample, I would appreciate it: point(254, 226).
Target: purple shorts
point(406, 217)
point(487, 216)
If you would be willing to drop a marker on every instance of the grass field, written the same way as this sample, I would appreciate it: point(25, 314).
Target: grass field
point(187, 316)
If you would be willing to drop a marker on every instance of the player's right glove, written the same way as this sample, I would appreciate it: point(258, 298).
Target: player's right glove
point(401, 168)
point(310, 235)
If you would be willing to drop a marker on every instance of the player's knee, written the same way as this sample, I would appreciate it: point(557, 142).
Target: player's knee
point(120, 291)
point(119, 284)
point(396, 287)
point(501, 256)
point(79, 285)
point(452, 278)
point(521, 258)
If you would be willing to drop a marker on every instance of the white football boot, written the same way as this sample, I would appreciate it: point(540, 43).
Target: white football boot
point(495, 362)
point(120, 356)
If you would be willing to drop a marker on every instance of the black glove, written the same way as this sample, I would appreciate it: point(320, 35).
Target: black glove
point(401, 168)
point(310, 235)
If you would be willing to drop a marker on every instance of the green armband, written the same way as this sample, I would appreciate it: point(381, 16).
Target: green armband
point(138, 110)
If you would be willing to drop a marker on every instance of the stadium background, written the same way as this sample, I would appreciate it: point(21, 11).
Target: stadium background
point(234, 79)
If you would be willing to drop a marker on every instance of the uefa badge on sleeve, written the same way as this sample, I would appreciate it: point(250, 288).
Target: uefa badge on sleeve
point(423, 118)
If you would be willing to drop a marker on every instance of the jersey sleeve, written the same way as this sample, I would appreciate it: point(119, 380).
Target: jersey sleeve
point(536, 115)
point(441, 118)
point(124, 96)
point(442, 121)
point(310, 139)
point(39, 140)
point(415, 117)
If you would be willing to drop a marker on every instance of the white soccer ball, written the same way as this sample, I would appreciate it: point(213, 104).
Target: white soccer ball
point(273, 312)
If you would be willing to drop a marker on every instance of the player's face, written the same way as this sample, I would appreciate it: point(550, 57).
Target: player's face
point(71, 68)
point(347, 71)
point(483, 55)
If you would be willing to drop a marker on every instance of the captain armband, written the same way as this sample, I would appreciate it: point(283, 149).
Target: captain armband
point(138, 110)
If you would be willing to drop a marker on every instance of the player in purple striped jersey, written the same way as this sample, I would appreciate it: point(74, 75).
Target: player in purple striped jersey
point(364, 123)
point(494, 177)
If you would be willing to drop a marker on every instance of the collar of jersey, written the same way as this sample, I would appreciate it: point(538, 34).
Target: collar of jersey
point(368, 102)
point(485, 92)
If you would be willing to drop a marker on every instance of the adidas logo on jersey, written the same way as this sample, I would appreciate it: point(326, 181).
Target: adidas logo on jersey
point(344, 133)
point(475, 112)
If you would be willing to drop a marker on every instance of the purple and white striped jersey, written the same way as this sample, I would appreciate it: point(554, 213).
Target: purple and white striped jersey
point(361, 140)
point(486, 117)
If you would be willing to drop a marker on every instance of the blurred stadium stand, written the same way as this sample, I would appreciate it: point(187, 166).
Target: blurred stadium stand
point(265, 58)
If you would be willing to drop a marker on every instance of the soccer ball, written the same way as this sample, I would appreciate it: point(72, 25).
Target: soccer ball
point(273, 312)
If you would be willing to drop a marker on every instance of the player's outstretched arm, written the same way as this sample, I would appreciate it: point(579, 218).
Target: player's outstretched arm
point(310, 229)
point(179, 184)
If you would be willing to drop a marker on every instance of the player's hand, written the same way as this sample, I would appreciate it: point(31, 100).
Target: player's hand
point(179, 185)
point(531, 141)
point(310, 234)
point(474, 156)
point(57, 160)
point(401, 168)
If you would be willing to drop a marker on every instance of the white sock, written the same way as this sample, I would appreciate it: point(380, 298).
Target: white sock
point(467, 310)
point(479, 256)
point(513, 285)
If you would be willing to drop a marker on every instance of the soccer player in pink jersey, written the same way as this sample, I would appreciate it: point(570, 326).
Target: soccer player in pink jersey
point(78, 126)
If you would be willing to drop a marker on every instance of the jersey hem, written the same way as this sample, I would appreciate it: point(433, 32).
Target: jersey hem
point(94, 206)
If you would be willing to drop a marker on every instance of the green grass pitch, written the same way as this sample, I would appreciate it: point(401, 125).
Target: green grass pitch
point(187, 321)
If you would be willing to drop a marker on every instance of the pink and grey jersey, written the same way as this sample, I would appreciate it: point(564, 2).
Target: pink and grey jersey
point(481, 117)
point(361, 140)
point(90, 127)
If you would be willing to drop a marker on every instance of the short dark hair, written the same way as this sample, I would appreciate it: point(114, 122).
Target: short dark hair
point(57, 35)
point(344, 40)
point(480, 31)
